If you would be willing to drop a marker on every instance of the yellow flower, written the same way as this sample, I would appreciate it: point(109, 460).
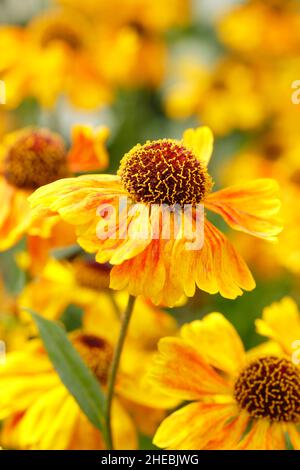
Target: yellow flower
point(281, 323)
point(238, 401)
point(14, 53)
point(154, 15)
point(31, 393)
point(228, 96)
point(30, 158)
point(59, 44)
point(156, 177)
point(143, 56)
point(39, 412)
point(265, 28)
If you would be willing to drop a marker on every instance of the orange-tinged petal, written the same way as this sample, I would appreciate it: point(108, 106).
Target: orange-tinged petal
point(294, 435)
point(216, 341)
point(264, 436)
point(180, 371)
point(228, 437)
point(249, 207)
point(88, 152)
point(219, 268)
point(193, 426)
point(17, 220)
point(200, 142)
point(281, 322)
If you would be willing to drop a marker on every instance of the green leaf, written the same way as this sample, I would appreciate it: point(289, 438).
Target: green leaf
point(73, 372)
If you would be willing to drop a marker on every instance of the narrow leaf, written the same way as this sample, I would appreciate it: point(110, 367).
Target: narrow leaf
point(73, 372)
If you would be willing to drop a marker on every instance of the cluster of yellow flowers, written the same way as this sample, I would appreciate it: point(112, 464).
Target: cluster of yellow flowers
point(76, 46)
point(109, 259)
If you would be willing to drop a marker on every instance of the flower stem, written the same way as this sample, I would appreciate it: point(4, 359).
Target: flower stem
point(114, 369)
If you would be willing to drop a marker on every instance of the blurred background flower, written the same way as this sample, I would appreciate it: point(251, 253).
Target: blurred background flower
point(85, 81)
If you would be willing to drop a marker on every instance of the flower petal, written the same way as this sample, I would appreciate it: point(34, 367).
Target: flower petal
point(219, 268)
point(193, 426)
point(281, 322)
point(88, 151)
point(200, 142)
point(180, 371)
point(217, 342)
point(263, 436)
point(249, 207)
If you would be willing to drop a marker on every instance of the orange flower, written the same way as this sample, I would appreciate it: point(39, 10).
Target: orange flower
point(162, 179)
point(30, 158)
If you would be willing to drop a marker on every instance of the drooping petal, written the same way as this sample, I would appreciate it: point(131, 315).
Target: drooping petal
point(193, 426)
point(200, 142)
point(217, 342)
point(180, 371)
point(249, 207)
point(219, 267)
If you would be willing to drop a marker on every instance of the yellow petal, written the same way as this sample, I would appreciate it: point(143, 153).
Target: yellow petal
point(281, 322)
point(193, 426)
point(180, 371)
point(249, 207)
point(200, 142)
point(217, 341)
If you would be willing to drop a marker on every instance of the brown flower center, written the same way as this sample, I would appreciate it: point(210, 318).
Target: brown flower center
point(91, 274)
point(270, 388)
point(36, 158)
point(60, 31)
point(96, 352)
point(164, 172)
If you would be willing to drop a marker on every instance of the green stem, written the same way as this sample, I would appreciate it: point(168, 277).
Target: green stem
point(114, 369)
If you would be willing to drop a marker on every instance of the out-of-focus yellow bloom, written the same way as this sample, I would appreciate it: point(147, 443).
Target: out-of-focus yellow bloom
point(263, 28)
point(28, 373)
point(28, 159)
point(12, 332)
point(143, 56)
point(228, 96)
point(14, 53)
point(281, 324)
point(53, 55)
point(154, 15)
point(161, 267)
point(239, 400)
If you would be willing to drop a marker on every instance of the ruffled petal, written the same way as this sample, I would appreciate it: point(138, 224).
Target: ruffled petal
point(193, 426)
point(249, 207)
point(219, 268)
point(200, 142)
point(93, 204)
point(180, 371)
point(216, 341)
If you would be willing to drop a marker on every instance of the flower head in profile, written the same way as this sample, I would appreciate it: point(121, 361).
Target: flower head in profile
point(32, 157)
point(239, 400)
point(161, 244)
